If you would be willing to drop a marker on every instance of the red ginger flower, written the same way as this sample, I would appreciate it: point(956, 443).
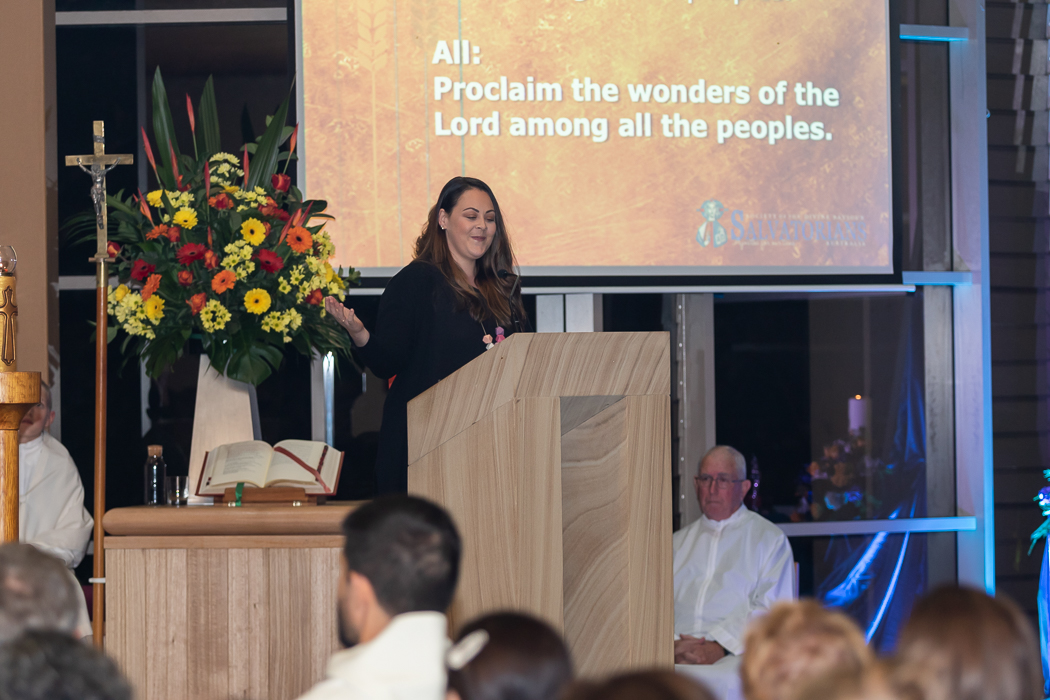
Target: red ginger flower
point(190, 252)
point(152, 285)
point(185, 278)
point(196, 302)
point(141, 269)
point(269, 260)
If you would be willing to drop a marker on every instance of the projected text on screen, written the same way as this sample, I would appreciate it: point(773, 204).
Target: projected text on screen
point(626, 137)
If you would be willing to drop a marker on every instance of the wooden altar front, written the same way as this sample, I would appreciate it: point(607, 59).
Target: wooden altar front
point(213, 602)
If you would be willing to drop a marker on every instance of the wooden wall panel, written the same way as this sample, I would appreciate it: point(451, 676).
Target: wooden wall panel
point(207, 581)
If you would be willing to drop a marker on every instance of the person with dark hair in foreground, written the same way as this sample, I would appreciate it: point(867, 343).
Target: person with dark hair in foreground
point(456, 298)
point(641, 685)
point(400, 565)
point(508, 656)
point(37, 592)
point(962, 644)
point(49, 665)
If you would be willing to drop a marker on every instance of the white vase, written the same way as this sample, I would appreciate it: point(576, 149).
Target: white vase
point(226, 411)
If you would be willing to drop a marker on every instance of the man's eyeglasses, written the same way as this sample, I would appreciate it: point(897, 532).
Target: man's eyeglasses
point(721, 481)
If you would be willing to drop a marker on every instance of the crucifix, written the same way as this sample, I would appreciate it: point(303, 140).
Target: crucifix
point(97, 165)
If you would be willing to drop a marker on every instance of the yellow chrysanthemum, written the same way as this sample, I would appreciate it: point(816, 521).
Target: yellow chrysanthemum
point(283, 286)
point(253, 231)
point(155, 198)
point(231, 189)
point(120, 292)
point(185, 218)
point(214, 316)
point(257, 301)
point(154, 308)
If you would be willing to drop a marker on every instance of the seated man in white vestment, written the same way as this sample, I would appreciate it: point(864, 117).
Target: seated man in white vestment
point(51, 514)
point(399, 570)
point(730, 566)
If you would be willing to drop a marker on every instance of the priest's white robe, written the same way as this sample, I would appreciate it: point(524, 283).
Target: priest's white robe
point(51, 513)
point(726, 573)
point(406, 661)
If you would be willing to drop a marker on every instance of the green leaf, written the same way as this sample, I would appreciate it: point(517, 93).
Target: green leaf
point(111, 334)
point(209, 117)
point(163, 130)
point(264, 164)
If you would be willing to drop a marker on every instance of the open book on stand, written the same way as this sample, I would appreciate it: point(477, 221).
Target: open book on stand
point(313, 466)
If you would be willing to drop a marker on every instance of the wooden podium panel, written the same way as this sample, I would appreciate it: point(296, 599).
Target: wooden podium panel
point(227, 614)
point(552, 452)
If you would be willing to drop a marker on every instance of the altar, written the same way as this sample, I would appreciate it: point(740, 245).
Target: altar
point(214, 602)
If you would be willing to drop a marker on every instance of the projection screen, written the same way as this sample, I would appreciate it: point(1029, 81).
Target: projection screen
point(621, 137)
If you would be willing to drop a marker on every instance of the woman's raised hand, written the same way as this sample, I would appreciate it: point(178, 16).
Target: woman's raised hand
point(347, 319)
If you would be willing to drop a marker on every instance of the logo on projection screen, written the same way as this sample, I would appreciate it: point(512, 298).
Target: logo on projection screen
point(711, 231)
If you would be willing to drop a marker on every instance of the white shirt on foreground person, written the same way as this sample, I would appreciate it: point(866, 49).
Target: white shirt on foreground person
point(406, 661)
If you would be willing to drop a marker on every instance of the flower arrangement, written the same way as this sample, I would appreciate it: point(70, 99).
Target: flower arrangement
point(1043, 499)
point(227, 248)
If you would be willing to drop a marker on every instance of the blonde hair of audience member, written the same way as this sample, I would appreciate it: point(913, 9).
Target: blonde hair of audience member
point(508, 656)
point(640, 685)
point(795, 643)
point(869, 684)
point(962, 644)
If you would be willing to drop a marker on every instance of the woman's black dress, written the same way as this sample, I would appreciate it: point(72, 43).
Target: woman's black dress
point(421, 337)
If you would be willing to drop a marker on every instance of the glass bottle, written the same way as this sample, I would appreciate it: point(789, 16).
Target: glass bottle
point(156, 471)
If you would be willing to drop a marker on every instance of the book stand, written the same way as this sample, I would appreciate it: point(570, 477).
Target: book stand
point(295, 495)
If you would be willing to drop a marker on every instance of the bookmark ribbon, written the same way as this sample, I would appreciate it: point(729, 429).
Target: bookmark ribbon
point(316, 474)
point(239, 492)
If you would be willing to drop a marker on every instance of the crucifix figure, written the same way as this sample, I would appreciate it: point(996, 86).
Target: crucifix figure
point(97, 165)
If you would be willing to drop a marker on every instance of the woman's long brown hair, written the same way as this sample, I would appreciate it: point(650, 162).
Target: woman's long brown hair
point(496, 295)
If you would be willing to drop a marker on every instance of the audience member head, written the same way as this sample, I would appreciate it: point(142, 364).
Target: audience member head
point(508, 656)
point(36, 592)
point(38, 418)
point(721, 483)
point(48, 665)
point(401, 555)
point(641, 685)
point(961, 644)
point(869, 684)
point(795, 643)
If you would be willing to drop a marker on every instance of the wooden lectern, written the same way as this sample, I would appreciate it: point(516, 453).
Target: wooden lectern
point(552, 452)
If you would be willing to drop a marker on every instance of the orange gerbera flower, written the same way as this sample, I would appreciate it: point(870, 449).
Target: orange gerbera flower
point(157, 232)
point(299, 239)
point(223, 281)
point(196, 302)
point(152, 285)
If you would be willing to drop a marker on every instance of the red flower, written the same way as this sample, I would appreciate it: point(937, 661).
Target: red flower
point(185, 278)
point(220, 201)
point(141, 270)
point(112, 249)
point(280, 182)
point(152, 285)
point(269, 260)
point(173, 234)
point(315, 297)
point(211, 260)
point(190, 252)
point(274, 212)
point(196, 302)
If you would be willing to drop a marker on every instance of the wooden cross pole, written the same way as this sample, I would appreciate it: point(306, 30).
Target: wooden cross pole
point(97, 165)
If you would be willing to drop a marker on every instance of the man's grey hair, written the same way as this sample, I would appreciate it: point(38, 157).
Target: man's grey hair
point(37, 592)
point(739, 463)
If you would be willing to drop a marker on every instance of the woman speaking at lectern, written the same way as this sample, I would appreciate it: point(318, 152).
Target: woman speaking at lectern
point(458, 297)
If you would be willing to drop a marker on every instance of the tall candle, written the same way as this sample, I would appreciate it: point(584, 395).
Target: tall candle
point(858, 414)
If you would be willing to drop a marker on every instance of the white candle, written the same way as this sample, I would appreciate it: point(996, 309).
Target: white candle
point(858, 414)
